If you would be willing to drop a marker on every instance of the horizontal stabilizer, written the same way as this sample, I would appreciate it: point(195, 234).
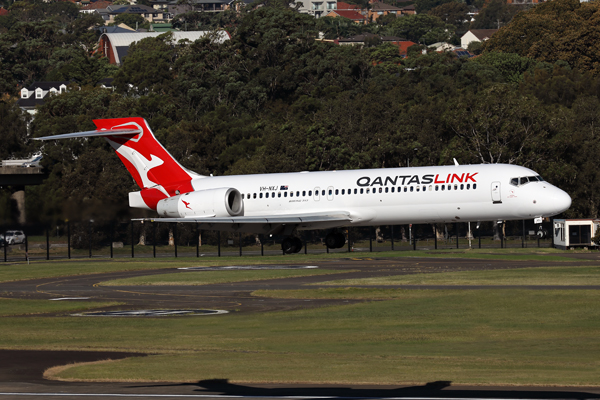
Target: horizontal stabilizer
point(112, 132)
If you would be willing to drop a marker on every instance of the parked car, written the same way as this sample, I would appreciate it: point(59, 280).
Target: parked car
point(14, 237)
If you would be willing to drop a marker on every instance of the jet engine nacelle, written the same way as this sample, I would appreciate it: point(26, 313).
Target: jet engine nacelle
point(220, 202)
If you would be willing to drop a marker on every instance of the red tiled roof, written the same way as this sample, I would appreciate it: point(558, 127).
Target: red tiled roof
point(405, 45)
point(3, 11)
point(98, 5)
point(353, 15)
point(345, 6)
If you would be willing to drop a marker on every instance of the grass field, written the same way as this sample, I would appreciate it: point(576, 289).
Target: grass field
point(209, 277)
point(494, 337)
point(56, 268)
point(555, 275)
point(490, 336)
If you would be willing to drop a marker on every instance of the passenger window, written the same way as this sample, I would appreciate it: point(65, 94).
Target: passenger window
point(361, 190)
point(242, 196)
point(368, 190)
point(304, 193)
point(462, 186)
point(380, 190)
point(455, 187)
point(468, 186)
point(355, 190)
point(405, 189)
point(273, 194)
point(310, 192)
point(267, 195)
point(443, 187)
point(430, 188)
point(323, 192)
point(474, 186)
point(343, 191)
point(291, 194)
point(418, 188)
point(297, 193)
point(437, 188)
point(392, 189)
point(260, 195)
point(411, 189)
point(424, 188)
point(254, 195)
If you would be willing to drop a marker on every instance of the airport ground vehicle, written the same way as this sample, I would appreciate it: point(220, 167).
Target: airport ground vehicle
point(14, 237)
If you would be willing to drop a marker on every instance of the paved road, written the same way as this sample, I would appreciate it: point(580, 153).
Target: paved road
point(21, 371)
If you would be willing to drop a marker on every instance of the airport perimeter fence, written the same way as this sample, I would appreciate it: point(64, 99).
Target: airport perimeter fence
point(135, 239)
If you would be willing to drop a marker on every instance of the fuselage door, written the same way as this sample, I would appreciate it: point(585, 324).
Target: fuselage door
point(330, 193)
point(317, 195)
point(496, 198)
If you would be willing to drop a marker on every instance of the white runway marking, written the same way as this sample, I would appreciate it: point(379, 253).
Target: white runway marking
point(246, 267)
point(71, 298)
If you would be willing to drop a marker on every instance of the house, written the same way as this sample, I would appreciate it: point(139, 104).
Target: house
point(408, 10)
point(34, 95)
point(95, 6)
point(379, 9)
point(3, 11)
point(115, 46)
point(148, 13)
point(476, 35)
point(316, 8)
point(345, 6)
point(352, 15)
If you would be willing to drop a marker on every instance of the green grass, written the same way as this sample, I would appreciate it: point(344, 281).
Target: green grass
point(210, 277)
point(56, 268)
point(485, 336)
point(11, 307)
point(555, 275)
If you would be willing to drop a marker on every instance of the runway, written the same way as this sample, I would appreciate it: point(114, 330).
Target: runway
point(21, 372)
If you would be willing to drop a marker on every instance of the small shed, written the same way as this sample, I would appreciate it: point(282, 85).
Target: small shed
point(571, 233)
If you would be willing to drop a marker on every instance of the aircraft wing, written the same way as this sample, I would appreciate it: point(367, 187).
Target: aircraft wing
point(271, 224)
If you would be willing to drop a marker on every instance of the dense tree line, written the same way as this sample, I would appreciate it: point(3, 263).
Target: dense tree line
point(274, 99)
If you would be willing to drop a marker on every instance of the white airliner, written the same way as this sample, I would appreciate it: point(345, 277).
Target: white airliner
point(288, 202)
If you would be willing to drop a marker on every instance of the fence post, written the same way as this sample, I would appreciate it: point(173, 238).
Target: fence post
point(479, 234)
point(5, 246)
point(392, 234)
point(414, 237)
point(371, 239)
point(111, 238)
point(132, 250)
point(219, 243)
point(69, 239)
point(349, 245)
point(523, 237)
point(305, 244)
point(153, 239)
point(48, 245)
point(240, 240)
point(435, 235)
point(175, 238)
point(26, 249)
point(501, 236)
point(456, 229)
point(90, 237)
point(197, 241)
point(262, 244)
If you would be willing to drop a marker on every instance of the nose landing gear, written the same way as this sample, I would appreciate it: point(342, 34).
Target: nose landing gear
point(291, 244)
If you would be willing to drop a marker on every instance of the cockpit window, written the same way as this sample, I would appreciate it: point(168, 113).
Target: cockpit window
point(525, 179)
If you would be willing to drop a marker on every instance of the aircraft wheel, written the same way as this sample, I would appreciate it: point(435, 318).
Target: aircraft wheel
point(297, 244)
point(331, 240)
point(340, 240)
point(288, 245)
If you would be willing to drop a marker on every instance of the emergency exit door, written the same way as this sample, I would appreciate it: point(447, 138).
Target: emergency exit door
point(496, 198)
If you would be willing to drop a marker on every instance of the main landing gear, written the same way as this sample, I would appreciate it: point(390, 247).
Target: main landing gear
point(335, 240)
point(291, 244)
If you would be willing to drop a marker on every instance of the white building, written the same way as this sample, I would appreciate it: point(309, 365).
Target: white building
point(476, 35)
point(34, 95)
point(316, 8)
point(569, 233)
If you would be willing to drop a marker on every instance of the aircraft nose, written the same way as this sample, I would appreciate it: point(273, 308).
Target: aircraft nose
point(560, 201)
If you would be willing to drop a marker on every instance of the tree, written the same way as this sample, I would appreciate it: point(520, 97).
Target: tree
point(423, 6)
point(512, 66)
point(13, 131)
point(453, 13)
point(422, 28)
point(558, 30)
point(495, 15)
